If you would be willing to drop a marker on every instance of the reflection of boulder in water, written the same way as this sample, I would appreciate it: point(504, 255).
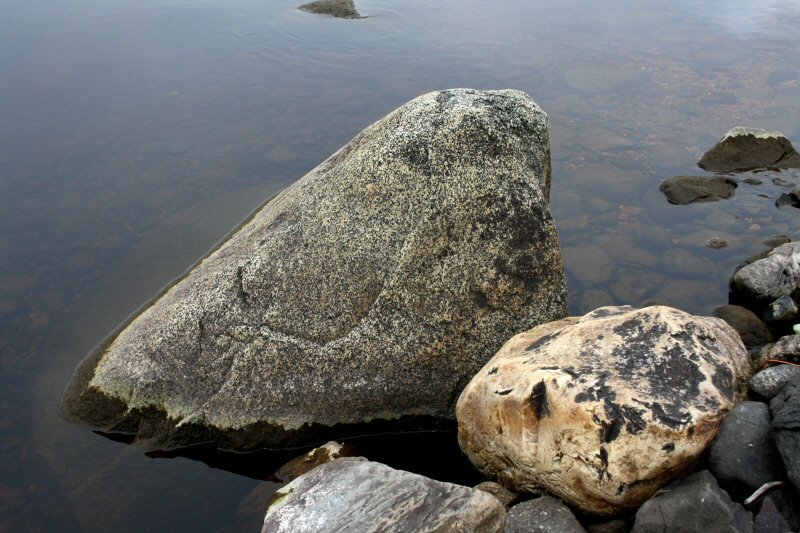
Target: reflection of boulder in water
point(343, 9)
point(750, 148)
point(370, 290)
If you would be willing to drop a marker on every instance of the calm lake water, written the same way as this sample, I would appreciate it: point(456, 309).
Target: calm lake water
point(136, 134)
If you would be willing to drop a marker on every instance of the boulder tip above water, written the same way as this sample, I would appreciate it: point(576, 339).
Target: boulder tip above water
point(750, 148)
point(370, 290)
point(343, 9)
point(603, 409)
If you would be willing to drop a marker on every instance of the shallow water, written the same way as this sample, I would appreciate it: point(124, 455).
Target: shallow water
point(134, 135)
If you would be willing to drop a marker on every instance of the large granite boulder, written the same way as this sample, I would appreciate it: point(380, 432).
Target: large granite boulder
point(750, 148)
point(371, 289)
point(353, 494)
point(603, 409)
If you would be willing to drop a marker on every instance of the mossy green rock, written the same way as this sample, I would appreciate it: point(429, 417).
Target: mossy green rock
point(371, 289)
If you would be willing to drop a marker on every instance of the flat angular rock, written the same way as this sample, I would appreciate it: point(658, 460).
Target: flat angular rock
point(749, 148)
point(769, 382)
point(353, 494)
point(604, 409)
point(343, 9)
point(769, 519)
point(682, 190)
point(693, 504)
point(503, 495)
point(775, 275)
point(743, 456)
point(542, 515)
point(371, 289)
point(782, 309)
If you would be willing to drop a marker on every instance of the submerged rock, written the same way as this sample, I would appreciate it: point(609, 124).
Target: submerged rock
point(371, 289)
point(693, 504)
point(604, 409)
point(682, 190)
point(750, 148)
point(343, 9)
point(353, 494)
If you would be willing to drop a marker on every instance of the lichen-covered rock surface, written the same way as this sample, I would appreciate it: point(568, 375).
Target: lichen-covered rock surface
point(603, 409)
point(353, 494)
point(371, 289)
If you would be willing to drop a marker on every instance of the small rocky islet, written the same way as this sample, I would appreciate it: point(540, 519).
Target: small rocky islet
point(416, 276)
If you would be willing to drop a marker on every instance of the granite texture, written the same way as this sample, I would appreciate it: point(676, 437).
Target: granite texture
point(372, 289)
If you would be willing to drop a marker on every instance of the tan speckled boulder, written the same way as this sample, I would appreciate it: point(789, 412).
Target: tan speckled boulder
point(603, 409)
point(370, 290)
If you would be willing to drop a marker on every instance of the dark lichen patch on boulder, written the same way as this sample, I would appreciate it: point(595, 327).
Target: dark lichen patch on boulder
point(343, 9)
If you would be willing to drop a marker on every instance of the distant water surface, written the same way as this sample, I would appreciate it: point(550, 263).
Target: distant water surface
point(135, 134)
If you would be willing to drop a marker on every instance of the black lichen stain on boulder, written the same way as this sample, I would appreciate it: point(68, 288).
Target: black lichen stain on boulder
point(669, 447)
point(722, 378)
point(538, 400)
point(662, 358)
point(493, 371)
point(503, 392)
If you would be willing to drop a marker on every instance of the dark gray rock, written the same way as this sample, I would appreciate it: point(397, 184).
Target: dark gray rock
point(785, 408)
point(781, 310)
point(749, 148)
point(370, 290)
point(787, 502)
point(743, 456)
point(505, 496)
point(787, 348)
point(769, 382)
point(682, 190)
point(780, 182)
point(775, 275)
point(693, 504)
point(343, 9)
point(353, 494)
point(543, 515)
point(612, 526)
point(769, 519)
point(751, 329)
point(791, 199)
